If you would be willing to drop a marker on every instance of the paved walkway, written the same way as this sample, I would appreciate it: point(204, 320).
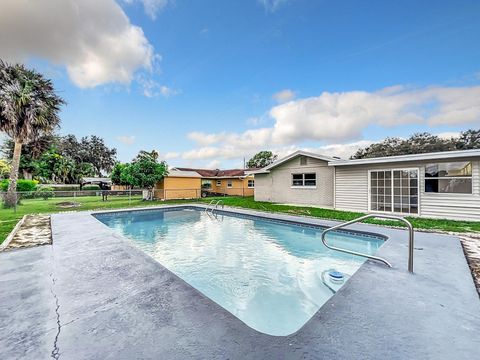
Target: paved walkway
point(91, 295)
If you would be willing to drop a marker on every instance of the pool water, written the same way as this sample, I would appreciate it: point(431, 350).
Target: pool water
point(269, 274)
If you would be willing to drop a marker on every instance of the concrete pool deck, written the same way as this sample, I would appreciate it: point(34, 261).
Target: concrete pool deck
point(91, 294)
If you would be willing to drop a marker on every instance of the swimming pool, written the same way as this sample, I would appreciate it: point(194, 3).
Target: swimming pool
point(272, 275)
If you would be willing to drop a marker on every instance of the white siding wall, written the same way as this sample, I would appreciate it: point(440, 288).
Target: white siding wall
point(351, 191)
point(276, 185)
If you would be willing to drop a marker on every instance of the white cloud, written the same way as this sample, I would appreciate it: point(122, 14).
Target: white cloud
point(214, 164)
point(151, 88)
point(151, 7)
point(271, 5)
point(253, 121)
point(284, 96)
point(126, 139)
point(342, 118)
point(171, 155)
point(93, 39)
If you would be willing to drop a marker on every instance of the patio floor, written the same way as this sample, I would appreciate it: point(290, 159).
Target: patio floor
point(93, 295)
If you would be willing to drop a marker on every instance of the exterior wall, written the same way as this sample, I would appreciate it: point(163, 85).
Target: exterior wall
point(239, 186)
point(178, 188)
point(352, 191)
point(276, 186)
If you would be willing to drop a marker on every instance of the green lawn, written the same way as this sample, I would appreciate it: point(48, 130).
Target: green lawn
point(8, 218)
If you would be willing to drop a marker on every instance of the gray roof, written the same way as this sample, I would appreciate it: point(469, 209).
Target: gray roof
point(96, 179)
point(266, 169)
point(181, 173)
point(444, 155)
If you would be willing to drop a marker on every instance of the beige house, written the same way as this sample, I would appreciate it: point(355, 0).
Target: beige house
point(437, 185)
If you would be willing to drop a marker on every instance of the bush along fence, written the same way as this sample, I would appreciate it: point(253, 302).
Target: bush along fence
point(50, 193)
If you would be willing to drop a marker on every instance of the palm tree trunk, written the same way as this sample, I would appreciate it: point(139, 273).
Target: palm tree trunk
point(11, 197)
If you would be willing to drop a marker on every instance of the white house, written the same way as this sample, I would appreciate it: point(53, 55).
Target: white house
point(436, 185)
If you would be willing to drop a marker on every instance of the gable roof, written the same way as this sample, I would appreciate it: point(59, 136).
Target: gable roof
point(411, 157)
point(266, 169)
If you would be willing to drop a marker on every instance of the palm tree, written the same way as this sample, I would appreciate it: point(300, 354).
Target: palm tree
point(29, 108)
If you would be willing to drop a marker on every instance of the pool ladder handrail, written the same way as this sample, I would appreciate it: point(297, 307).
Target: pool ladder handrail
point(213, 205)
point(376, 258)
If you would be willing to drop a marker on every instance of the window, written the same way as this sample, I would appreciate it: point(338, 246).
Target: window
point(453, 177)
point(305, 180)
point(251, 183)
point(219, 182)
point(303, 160)
point(206, 184)
point(229, 183)
point(394, 191)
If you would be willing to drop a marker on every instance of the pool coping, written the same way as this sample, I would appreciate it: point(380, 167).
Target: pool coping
point(200, 328)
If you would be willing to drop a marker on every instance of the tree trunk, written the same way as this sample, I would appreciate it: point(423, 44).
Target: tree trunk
point(11, 197)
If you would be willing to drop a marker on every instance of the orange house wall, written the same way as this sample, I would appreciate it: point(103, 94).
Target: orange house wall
point(178, 188)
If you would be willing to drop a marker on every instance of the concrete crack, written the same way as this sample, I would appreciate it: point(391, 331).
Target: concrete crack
point(56, 351)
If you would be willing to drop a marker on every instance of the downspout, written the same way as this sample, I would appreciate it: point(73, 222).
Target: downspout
point(334, 187)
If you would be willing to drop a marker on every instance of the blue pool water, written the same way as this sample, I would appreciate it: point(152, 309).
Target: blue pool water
point(271, 275)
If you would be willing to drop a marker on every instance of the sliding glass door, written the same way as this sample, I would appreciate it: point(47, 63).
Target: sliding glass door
point(394, 190)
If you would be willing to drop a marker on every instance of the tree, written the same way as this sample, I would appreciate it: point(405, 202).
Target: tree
point(29, 107)
point(469, 139)
point(152, 155)
point(31, 152)
point(4, 169)
point(98, 154)
point(82, 170)
point(121, 175)
point(91, 150)
point(145, 173)
point(420, 143)
point(261, 159)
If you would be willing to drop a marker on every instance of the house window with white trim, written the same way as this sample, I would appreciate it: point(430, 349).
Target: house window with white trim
point(219, 182)
point(449, 178)
point(304, 180)
point(251, 183)
point(229, 183)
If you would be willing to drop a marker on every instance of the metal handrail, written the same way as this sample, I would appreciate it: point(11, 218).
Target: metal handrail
point(209, 204)
point(376, 258)
point(219, 202)
point(213, 205)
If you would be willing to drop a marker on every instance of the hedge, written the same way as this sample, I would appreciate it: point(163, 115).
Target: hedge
point(22, 185)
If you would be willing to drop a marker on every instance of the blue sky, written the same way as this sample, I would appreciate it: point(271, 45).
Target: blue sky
point(207, 83)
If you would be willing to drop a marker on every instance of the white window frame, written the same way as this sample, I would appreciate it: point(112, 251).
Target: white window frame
point(229, 183)
point(303, 180)
point(253, 183)
point(392, 192)
point(447, 178)
point(219, 182)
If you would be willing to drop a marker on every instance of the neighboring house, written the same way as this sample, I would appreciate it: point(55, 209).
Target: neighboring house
point(188, 183)
point(179, 185)
point(438, 185)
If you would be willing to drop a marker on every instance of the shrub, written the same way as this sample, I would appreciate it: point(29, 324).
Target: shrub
point(68, 187)
point(91, 187)
point(22, 185)
point(45, 193)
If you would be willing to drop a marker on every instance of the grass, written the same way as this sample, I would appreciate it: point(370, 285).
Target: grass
point(8, 218)
point(418, 223)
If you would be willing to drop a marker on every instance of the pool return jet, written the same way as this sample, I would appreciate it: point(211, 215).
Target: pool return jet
point(376, 258)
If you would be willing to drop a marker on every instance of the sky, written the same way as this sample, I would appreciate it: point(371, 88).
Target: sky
point(209, 83)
